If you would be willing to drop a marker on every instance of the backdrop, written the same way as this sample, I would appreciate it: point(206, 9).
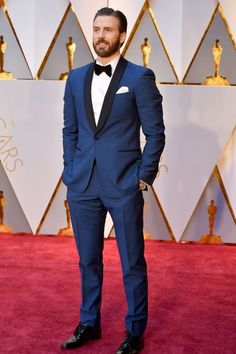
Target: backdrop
point(199, 161)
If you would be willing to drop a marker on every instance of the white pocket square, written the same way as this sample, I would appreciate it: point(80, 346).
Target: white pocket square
point(122, 89)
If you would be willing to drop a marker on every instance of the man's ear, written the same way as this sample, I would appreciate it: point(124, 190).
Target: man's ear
point(122, 37)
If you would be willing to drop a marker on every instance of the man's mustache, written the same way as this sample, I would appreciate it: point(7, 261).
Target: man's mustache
point(101, 41)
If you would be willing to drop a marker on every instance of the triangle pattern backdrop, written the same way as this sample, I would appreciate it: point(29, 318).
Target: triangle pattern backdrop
point(172, 35)
point(33, 157)
point(229, 9)
point(154, 223)
point(200, 120)
point(57, 60)
point(195, 140)
point(13, 213)
point(159, 62)
point(42, 18)
point(203, 63)
point(55, 215)
point(195, 21)
point(227, 168)
point(14, 60)
point(224, 225)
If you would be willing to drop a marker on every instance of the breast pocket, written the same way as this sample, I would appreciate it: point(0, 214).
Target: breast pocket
point(123, 102)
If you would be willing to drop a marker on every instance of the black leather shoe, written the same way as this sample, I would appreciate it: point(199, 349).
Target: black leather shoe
point(82, 334)
point(130, 345)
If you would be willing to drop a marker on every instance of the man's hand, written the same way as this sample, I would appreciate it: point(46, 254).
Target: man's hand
point(142, 185)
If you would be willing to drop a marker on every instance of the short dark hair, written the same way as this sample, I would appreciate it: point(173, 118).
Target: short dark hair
point(108, 11)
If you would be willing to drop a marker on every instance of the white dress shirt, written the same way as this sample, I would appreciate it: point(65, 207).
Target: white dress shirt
point(99, 88)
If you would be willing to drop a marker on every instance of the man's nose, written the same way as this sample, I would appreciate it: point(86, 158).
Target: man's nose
point(101, 34)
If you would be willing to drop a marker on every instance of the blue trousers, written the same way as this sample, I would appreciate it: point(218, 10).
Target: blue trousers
point(88, 212)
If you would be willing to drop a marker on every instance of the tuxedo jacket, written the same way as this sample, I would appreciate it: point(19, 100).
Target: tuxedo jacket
point(131, 101)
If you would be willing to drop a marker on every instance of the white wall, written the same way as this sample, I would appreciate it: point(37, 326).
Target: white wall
point(200, 121)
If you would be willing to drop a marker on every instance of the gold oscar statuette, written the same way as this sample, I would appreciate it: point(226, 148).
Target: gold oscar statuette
point(216, 79)
point(70, 50)
point(210, 237)
point(66, 231)
point(146, 234)
point(146, 50)
point(3, 227)
point(4, 75)
point(2, 5)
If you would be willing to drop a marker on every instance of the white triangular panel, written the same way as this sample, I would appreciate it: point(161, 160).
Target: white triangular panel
point(33, 157)
point(203, 64)
point(131, 9)
point(13, 213)
point(18, 12)
point(158, 62)
point(229, 10)
point(224, 225)
point(86, 16)
point(48, 15)
point(168, 12)
point(14, 60)
point(57, 61)
point(43, 18)
point(196, 17)
point(154, 224)
point(108, 225)
point(195, 139)
point(56, 215)
point(227, 168)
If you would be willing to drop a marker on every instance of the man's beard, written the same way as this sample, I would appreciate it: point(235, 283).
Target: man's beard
point(105, 53)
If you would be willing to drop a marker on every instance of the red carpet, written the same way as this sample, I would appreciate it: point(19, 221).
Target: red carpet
point(192, 297)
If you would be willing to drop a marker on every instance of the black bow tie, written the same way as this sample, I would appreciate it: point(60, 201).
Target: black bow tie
point(99, 69)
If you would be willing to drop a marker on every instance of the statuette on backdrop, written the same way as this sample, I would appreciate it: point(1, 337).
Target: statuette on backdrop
point(3, 227)
point(2, 5)
point(146, 50)
point(70, 50)
point(216, 79)
point(4, 75)
point(66, 231)
point(211, 237)
point(146, 234)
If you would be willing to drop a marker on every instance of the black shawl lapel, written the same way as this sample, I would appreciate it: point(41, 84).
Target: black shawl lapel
point(106, 107)
point(88, 98)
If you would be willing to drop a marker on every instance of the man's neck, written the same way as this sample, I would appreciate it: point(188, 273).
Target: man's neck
point(107, 60)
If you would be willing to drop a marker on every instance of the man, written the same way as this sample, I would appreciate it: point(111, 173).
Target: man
point(105, 104)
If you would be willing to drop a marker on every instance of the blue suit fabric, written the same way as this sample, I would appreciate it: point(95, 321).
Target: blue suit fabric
point(102, 168)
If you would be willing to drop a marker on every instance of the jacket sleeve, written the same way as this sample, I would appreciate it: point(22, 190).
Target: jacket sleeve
point(70, 130)
point(149, 105)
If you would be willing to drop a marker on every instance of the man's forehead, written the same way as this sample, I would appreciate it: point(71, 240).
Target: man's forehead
point(104, 21)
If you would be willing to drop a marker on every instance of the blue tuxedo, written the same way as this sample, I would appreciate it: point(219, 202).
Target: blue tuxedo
point(115, 142)
point(102, 168)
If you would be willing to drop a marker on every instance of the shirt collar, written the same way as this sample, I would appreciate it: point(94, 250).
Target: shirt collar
point(113, 63)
